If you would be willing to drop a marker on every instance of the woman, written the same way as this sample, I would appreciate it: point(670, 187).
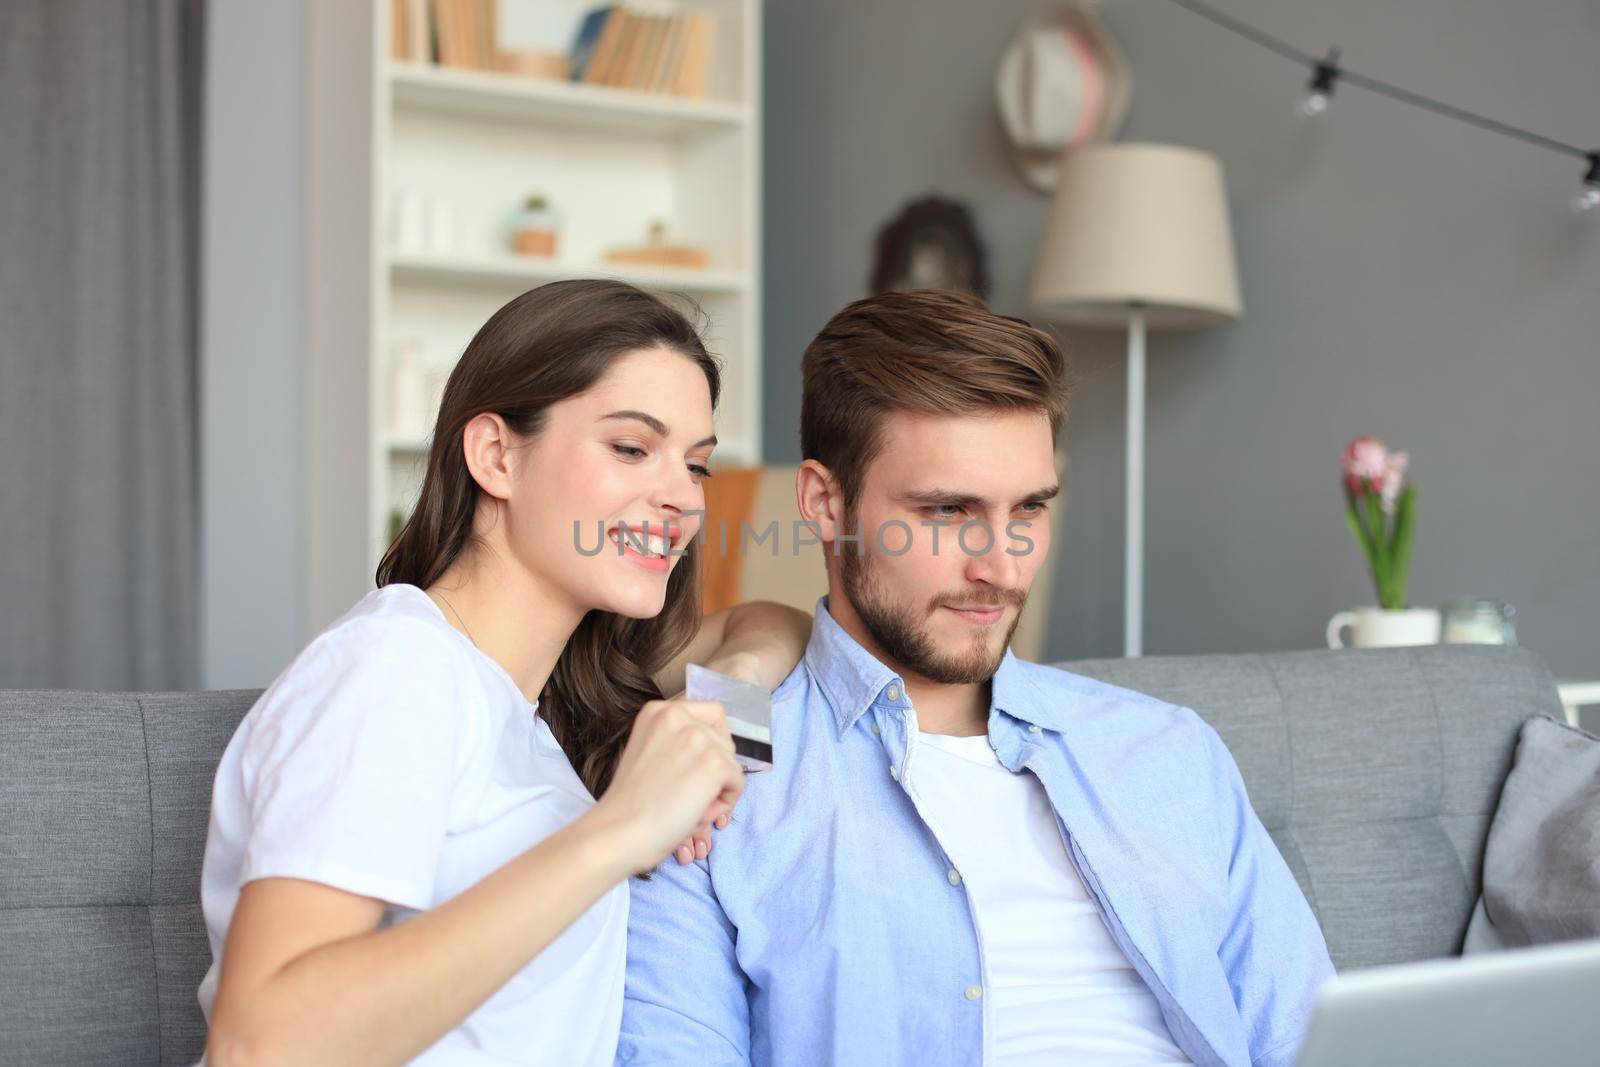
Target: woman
point(405, 858)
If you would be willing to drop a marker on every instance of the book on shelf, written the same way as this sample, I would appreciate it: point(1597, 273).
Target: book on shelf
point(588, 41)
point(397, 29)
point(613, 47)
point(419, 32)
point(671, 52)
point(454, 33)
point(466, 34)
point(626, 49)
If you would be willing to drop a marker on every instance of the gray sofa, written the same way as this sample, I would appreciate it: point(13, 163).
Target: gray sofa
point(1376, 771)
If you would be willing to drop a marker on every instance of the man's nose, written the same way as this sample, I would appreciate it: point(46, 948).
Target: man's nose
point(987, 560)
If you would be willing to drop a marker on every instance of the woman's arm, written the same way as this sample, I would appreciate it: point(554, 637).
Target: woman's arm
point(758, 642)
point(307, 978)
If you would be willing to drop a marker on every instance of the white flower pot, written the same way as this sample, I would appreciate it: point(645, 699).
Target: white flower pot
point(1373, 627)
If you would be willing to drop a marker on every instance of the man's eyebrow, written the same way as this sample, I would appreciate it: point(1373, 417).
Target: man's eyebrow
point(655, 424)
point(951, 498)
point(1039, 496)
point(942, 498)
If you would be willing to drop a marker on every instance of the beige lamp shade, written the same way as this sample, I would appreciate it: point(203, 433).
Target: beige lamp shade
point(1138, 225)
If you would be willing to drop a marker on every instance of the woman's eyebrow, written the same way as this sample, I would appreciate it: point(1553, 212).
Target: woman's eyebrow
point(655, 424)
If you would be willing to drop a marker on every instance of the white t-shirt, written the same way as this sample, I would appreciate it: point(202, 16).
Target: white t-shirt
point(1060, 990)
point(394, 760)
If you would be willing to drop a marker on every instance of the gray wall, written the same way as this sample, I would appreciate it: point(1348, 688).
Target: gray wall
point(287, 294)
point(253, 336)
point(1403, 275)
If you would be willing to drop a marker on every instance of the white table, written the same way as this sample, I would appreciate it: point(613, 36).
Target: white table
point(1575, 694)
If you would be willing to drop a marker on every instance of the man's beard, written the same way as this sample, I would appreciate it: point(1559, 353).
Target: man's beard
point(897, 628)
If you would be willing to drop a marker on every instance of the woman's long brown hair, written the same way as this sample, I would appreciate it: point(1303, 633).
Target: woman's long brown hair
point(548, 344)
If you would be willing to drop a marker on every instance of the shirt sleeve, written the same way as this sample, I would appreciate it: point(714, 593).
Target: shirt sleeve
point(686, 999)
point(1272, 947)
point(351, 766)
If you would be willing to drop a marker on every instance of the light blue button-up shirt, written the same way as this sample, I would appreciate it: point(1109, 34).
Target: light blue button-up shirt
point(826, 927)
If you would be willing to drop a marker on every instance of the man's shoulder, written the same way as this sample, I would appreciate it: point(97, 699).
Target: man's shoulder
point(1103, 722)
point(793, 689)
point(1083, 697)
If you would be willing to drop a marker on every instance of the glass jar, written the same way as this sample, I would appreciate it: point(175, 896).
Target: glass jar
point(1478, 621)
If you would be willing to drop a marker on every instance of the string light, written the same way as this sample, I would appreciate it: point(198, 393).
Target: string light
point(1326, 72)
point(1588, 197)
point(1319, 90)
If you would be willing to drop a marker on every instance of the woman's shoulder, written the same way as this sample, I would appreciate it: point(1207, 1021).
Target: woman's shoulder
point(391, 652)
point(400, 611)
point(394, 624)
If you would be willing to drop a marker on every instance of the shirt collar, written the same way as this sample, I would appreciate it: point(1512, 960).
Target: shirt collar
point(850, 677)
point(853, 679)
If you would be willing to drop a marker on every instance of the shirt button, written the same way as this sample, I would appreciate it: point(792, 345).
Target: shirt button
point(953, 875)
point(893, 693)
point(876, 730)
point(974, 992)
point(894, 772)
point(1035, 729)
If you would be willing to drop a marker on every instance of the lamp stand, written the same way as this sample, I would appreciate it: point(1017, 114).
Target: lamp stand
point(1133, 537)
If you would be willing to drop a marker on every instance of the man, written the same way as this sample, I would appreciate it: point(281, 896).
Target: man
point(959, 857)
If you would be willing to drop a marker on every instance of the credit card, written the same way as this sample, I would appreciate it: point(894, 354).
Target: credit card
point(748, 709)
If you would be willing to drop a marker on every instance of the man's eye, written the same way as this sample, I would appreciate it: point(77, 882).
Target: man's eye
point(943, 511)
point(1034, 507)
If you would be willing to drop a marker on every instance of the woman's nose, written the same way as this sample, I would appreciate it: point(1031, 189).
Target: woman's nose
point(679, 493)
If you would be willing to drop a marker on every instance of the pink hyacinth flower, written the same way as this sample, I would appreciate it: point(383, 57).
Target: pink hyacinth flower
point(1394, 477)
point(1365, 463)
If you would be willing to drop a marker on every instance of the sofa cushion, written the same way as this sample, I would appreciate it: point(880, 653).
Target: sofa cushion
point(104, 802)
point(1541, 866)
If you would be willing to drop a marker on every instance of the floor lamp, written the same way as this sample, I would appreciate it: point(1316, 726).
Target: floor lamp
point(1138, 238)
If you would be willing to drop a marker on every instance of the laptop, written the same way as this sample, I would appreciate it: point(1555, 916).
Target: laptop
point(1537, 1007)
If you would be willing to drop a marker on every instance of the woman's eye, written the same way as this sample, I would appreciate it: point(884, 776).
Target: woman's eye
point(628, 450)
point(699, 471)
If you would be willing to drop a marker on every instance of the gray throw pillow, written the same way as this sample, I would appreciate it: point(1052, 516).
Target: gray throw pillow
point(1541, 865)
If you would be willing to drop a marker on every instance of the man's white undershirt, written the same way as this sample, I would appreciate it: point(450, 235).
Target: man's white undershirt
point(1060, 990)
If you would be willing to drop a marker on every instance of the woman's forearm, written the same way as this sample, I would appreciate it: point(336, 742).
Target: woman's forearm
point(385, 996)
point(761, 643)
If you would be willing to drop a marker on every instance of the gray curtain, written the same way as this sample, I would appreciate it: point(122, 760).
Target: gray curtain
point(99, 210)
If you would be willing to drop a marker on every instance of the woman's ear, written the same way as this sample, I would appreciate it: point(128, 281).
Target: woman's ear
point(821, 504)
point(487, 443)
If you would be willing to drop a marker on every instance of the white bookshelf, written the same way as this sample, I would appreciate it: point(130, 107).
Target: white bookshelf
point(611, 161)
point(498, 269)
point(479, 95)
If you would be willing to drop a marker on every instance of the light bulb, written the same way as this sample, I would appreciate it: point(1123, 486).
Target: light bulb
point(1588, 198)
point(1313, 104)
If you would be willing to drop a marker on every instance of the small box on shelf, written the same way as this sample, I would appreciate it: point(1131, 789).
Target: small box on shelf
point(658, 253)
point(536, 231)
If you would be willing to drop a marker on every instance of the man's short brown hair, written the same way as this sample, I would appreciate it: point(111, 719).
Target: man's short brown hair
point(925, 351)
